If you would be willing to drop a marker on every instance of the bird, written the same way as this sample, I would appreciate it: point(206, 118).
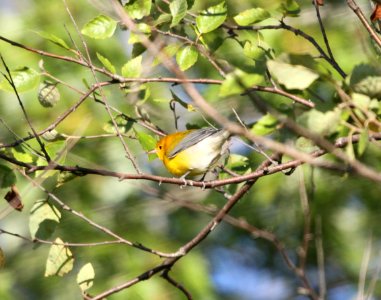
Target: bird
point(193, 152)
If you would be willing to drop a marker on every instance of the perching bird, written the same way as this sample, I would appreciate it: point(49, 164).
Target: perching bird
point(192, 152)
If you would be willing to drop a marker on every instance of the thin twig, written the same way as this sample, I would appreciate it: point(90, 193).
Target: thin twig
point(356, 9)
point(303, 253)
point(66, 244)
point(320, 259)
point(322, 29)
point(95, 225)
point(93, 71)
point(203, 233)
point(297, 32)
point(177, 285)
point(81, 171)
point(11, 82)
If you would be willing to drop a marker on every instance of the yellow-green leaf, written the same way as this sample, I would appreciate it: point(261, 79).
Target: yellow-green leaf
point(101, 27)
point(43, 219)
point(251, 16)
point(133, 68)
point(211, 18)
point(265, 125)
point(324, 123)
point(106, 63)
point(178, 10)
point(147, 142)
point(60, 260)
point(363, 142)
point(186, 57)
point(54, 39)
point(123, 122)
point(290, 7)
point(138, 9)
point(292, 76)
point(142, 29)
point(19, 154)
point(85, 277)
point(236, 82)
point(24, 79)
point(252, 50)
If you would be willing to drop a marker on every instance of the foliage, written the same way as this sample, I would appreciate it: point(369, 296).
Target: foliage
point(89, 212)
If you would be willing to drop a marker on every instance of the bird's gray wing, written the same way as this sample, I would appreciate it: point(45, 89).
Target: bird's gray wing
point(191, 139)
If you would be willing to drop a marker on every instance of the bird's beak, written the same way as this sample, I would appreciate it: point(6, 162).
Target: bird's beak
point(153, 151)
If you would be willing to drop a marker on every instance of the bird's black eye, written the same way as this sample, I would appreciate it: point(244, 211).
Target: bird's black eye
point(160, 147)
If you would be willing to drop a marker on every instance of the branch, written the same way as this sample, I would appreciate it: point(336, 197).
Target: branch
point(82, 171)
point(168, 263)
point(356, 9)
point(35, 135)
point(179, 286)
point(93, 224)
point(297, 32)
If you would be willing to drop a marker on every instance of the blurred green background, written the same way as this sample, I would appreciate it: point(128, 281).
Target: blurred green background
point(229, 264)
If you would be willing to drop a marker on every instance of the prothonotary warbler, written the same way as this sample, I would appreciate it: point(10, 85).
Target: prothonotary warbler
point(192, 152)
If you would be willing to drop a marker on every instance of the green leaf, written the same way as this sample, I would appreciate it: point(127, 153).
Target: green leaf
point(163, 18)
point(320, 122)
point(19, 154)
point(363, 142)
point(237, 163)
point(265, 125)
point(178, 10)
point(24, 78)
point(64, 177)
point(211, 18)
point(85, 277)
point(123, 122)
point(366, 79)
point(133, 68)
point(60, 260)
point(251, 16)
point(252, 50)
point(106, 63)
point(292, 76)
point(169, 50)
point(236, 83)
point(43, 220)
point(48, 94)
point(54, 39)
point(190, 3)
point(137, 49)
point(186, 57)
point(7, 177)
point(213, 40)
point(189, 107)
point(138, 9)
point(101, 27)
point(57, 151)
point(361, 101)
point(305, 145)
point(290, 7)
point(147, 142)
point(141, 29)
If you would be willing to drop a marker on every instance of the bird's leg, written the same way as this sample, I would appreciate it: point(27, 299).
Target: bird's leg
point(202, 181)
point(184, 180)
